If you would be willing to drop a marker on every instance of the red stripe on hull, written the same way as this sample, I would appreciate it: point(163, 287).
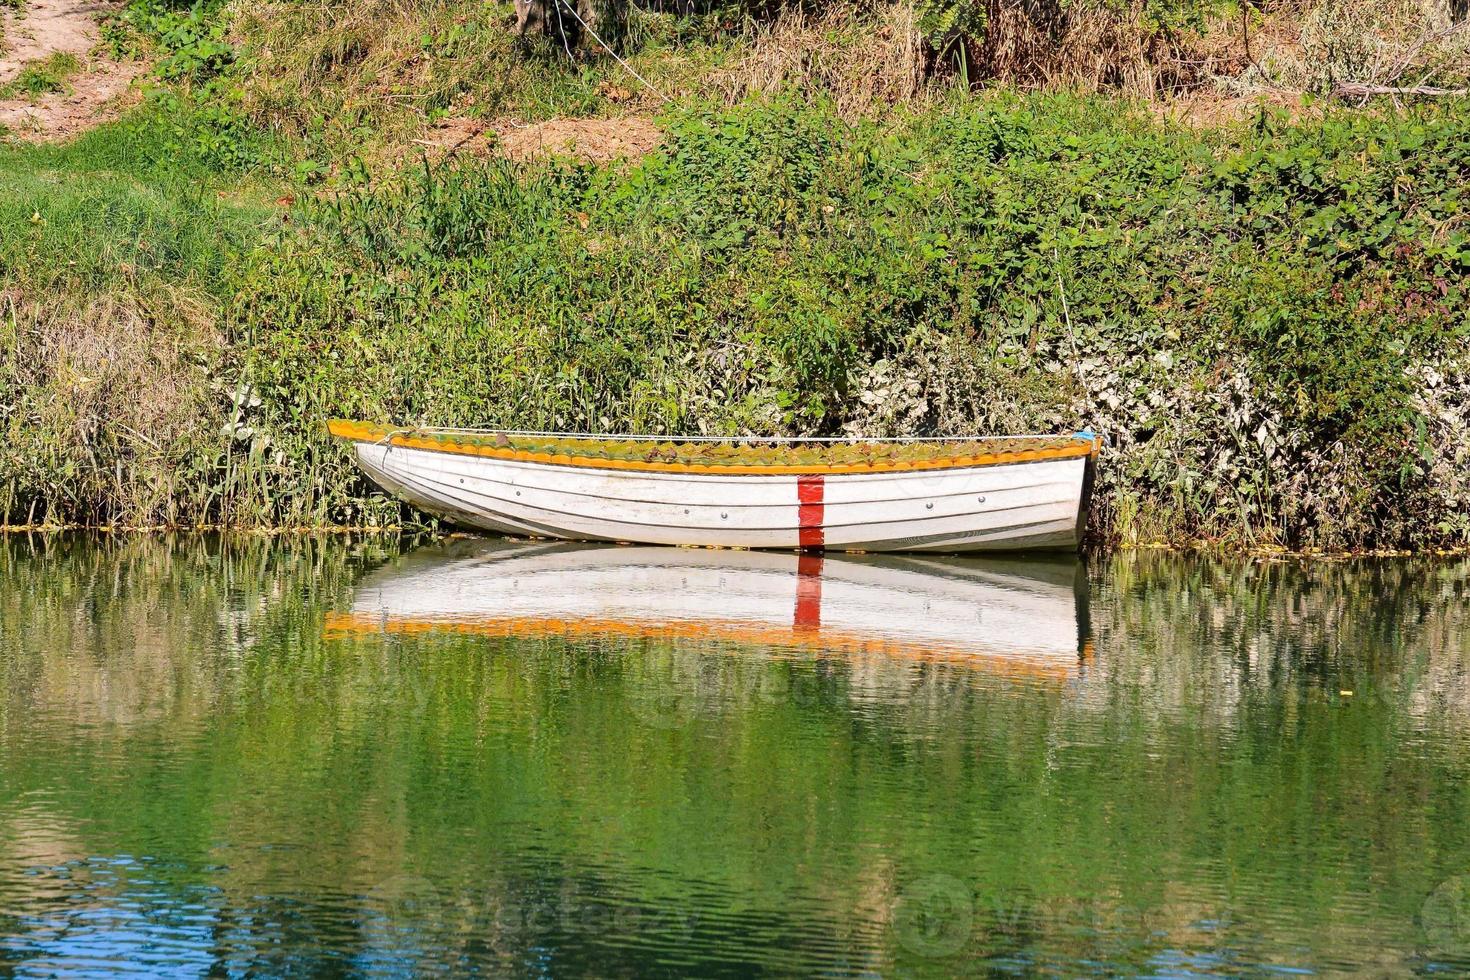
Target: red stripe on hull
point(811, 511)
point(809, 592)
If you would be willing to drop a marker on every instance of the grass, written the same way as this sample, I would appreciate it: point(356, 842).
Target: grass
point(114, 250)
point(353, 79)
point(42, 77)
point(123, 201)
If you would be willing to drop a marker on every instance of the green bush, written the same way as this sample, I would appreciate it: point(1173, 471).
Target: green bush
point(193, 39)
point(1358, 267)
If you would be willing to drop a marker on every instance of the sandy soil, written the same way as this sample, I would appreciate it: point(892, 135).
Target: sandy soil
point(586, 139)
point(41, 29)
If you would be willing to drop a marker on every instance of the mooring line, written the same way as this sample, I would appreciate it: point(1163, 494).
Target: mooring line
point(605, 46)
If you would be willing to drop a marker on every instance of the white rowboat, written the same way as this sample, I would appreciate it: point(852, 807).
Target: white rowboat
point(944, 495)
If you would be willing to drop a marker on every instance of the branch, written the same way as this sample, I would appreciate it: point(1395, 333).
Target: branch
point(1427, 38)
point(1362, 90)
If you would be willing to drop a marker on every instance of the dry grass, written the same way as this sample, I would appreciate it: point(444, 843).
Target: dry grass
point(1313, 45)
point(387, 62)
point(1083, 44)
point(865, 61)
point(1296, 45)
point(869, 58)
point(1384, 42)
point(113, 386)
point(1288, 46)
point(391, 79)
point(397, 70)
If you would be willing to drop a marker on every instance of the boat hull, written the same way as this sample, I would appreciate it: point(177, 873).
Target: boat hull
point(1030, 505)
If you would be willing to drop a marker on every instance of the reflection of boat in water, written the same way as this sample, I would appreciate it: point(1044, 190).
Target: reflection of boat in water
point(1027, 616)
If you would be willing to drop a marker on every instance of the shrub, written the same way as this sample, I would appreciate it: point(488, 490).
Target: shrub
point(193, 39)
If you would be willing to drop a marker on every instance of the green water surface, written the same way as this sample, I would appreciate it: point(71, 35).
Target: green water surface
point(1233, 769)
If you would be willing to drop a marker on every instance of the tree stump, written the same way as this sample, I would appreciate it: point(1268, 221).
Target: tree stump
point(573, 23)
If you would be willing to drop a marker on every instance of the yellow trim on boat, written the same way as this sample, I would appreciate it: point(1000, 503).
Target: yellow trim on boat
point(1064, 447)
point(817, 639)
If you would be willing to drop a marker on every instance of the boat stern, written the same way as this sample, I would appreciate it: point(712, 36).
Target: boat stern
point(1089, 476)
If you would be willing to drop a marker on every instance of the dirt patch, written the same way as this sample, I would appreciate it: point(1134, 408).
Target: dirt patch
point(448, 136)
point(92, 97)
point(1213, 110)
point(47, 27)
point(597, 140)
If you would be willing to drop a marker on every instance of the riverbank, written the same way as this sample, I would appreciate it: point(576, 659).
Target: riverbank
point(1266, 315)
point(430, 533)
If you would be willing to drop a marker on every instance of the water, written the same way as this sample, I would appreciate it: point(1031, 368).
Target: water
point(345, 757)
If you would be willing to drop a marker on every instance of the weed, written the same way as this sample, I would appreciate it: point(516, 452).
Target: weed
point(42, 77)
point(193, 41)
point(775, 269)
point(112, 250)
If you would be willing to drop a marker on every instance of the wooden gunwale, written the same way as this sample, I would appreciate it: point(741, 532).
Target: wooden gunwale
point(354, 431)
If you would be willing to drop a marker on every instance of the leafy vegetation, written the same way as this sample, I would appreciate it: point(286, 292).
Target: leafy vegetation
point(1229, 298)
point(113, 249)
point(192, 40)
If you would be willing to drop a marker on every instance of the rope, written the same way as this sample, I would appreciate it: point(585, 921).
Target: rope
point(605, 46)
point(561, 30)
